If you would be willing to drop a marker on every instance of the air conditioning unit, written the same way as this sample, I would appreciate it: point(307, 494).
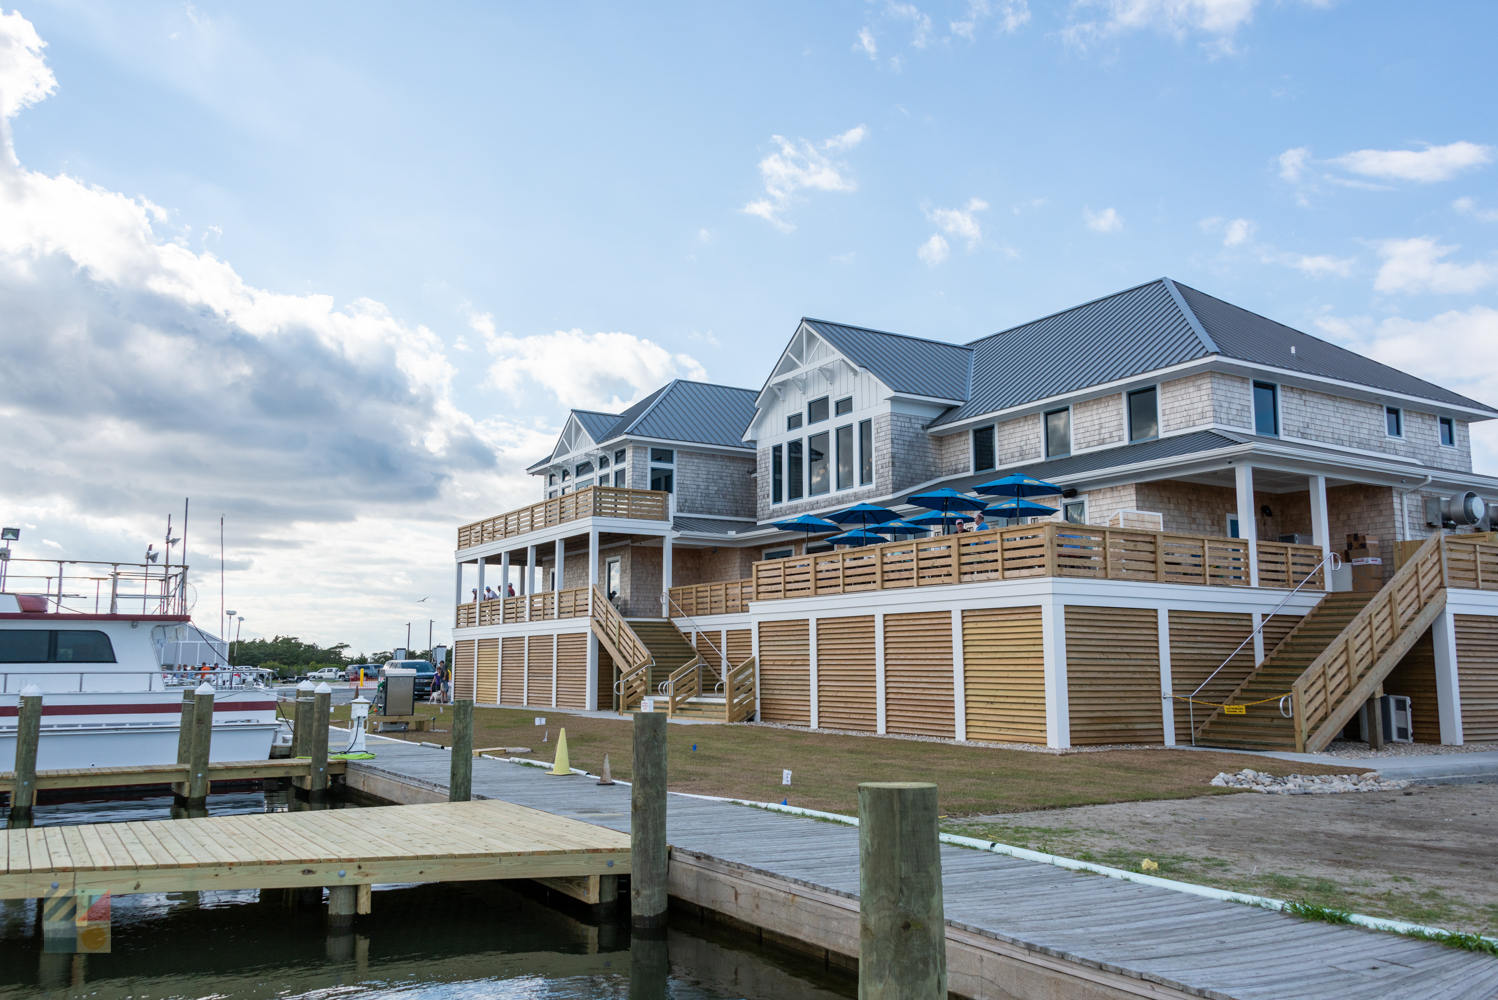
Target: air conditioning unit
point(1137, 520)
point(1398, 719)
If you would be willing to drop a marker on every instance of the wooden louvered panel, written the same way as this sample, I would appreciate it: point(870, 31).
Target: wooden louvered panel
point(1113, 675)
point(846, 691)
point(1415, 679)
point(1477, 672)
point(785, 672)
point(1199, 642)
point(606, 678)
point(488, 672)
point(705, 643)
point(512, 673)
point(463, 653)
point(572, 670)
point(538, 687)
point(740, 645)
point(918, 687)
point(1004, 674)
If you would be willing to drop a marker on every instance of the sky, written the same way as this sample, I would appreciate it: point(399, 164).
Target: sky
point(336, 272)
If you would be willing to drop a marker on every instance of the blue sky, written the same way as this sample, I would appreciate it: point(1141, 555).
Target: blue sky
point(362, 236)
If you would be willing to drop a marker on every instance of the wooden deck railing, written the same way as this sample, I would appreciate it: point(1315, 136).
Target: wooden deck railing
point(546, 606)
point(1353, 665)
point(684, 684)
point(630, 654)
point(590, 501)
point(729, 597)
point(739, 695)
point(1037, 550)
point(1472, 562)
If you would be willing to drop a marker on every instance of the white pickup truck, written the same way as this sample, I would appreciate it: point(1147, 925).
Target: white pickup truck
point(326, 674)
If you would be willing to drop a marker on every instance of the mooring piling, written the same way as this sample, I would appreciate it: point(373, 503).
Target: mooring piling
point(28, 735)
point(322, 706)
point(902, 934)
point(460, 778)
point(647, 830)
point(343, 900)
point(301, 724)
point(184, 737)
point(202, 744)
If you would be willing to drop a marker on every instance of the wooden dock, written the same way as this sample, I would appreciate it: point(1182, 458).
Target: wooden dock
point(166, 774)
point(444, 842)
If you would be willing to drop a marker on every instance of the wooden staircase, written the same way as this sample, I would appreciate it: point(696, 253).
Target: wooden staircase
point(669, 649)
point(1333, 661)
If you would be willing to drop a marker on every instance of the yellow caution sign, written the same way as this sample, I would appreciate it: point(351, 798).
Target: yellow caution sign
point(1235, 710)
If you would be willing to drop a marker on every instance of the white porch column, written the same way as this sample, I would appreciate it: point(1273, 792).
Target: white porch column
point(592, 558)
point(591, 698)
point(959, 678)
point(528, 579)
point(1248, 520)
point(1167, 687)
point(1053, 644)
point(1258, 627)
point(481, 577)
point(811, 632)
point(879, 706)
point(665, 573)
point(559, 551)
point(1448, 686)
point(1320, 532)
point(754, 652)
point(458, 592)
point(504, 574)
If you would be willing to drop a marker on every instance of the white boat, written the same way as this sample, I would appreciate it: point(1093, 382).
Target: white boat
point(112, 680)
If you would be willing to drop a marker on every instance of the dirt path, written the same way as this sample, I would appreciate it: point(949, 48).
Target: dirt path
point(1426, 854)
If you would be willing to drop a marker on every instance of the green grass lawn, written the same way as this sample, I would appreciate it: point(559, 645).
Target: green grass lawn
point(746, 762)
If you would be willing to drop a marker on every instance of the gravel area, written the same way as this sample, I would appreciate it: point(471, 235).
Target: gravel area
point(1307, 784)
point(1359, 751)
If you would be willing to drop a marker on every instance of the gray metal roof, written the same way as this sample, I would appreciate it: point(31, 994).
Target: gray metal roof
point(698, 413)
point(1250, 337)
point(1180, 446)
point(595, 423)
point(710, 525)
point(907, 365)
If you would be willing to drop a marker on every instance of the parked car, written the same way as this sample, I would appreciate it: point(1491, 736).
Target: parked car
point(326, 674)
point(371, 671)
point(425, 674)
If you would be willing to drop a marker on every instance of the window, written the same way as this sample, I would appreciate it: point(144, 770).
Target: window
point(552, 495)
point(619, 457)
point(777, 475)
point(1266, 409)
point(1075, 511)
point(603, 480)
point(1144, 416)
point(1393, 421)
point(865, 452)
point(612, 578)
point(816, 465)
point(1448, 432)
point(816, 410)
point(793, 462)
point(662, 480)
point(983, 455)
point(778, 553)
point(1233, 526)
point(665, 456)
point(845, 456)
point(585, 469)
point(619, 479)
point(843, 407)
point(552, 480)
point(55, 646)
point(1057, 433)
point(603, 461)
point(793, 422)
point(566, 475)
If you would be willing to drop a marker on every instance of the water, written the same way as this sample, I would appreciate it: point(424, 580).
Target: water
point(456, 940)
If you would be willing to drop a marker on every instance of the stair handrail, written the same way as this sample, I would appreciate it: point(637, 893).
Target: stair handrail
point(732, 700)
point(722, 658)
point(680, 678)
point(624, 645)
point(1386, 599)
point(1334, 558)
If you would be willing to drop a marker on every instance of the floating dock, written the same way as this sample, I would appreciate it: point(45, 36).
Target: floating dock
point(165, 774)
point(440, 842)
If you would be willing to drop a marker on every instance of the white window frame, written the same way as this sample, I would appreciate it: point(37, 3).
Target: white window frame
point(782, 553)
point(1128, 427)
point(1044, 442)
point(1400, 418)
point(1441, 422)
point(972, 448)
point(1230, 519)
point(1279, 415)
point(1079, 499)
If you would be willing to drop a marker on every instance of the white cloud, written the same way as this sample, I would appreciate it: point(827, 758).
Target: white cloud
point(959, 222)
point(1235, 232)
point(1468, 206)
point(1317, 266)
point(1106, 221)
point(24, 75)
point(933, 251)
point(1240, 233)
point(798, 166)
point(1293, 163)
point(866, 43)
point(920, 22)
point(1415, 265)
point(1012, 15)
point(1428, 165)
point(597, 371)
point(1177, 18)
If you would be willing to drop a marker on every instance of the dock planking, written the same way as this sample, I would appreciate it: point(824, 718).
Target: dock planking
point(438, 842)
point(165, 774)
point(1168, 943)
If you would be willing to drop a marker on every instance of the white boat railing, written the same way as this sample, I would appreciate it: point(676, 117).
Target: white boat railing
point(105, 681)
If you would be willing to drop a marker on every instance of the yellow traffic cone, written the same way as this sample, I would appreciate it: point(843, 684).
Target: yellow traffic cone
point(562, 766)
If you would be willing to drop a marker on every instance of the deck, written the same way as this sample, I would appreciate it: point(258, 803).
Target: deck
point(1164, 943)
point(590, 501)
point(439, 842)
point(165, 774)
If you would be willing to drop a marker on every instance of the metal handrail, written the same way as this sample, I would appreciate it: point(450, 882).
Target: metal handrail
point(1331, 557)
point(220, 677)
point(722, 657)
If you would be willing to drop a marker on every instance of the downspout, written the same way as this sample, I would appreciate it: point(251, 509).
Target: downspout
point(1401, 527)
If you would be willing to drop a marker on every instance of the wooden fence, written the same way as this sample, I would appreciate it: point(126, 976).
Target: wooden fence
point(1472, 561)
point(630, 654)
point(590, 501)
point(546, 606)
point(1037, 550)
point(730, 597)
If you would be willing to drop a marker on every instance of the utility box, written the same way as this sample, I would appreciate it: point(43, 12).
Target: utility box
point(400, 691)
point(1398, 719)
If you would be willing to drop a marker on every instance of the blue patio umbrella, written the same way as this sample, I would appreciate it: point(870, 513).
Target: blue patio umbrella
point(1016, 507)
point(1018, 485)
point(937, 519)
point(856, 537)
point(863, 514)
point(809, 524)
point(945, 500)
point(896, 528)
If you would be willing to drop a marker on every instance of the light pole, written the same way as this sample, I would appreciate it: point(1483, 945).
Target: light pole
point(237, 629)
point(228, 629)
point(408, 638)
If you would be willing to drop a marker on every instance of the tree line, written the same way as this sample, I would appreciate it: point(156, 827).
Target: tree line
point(288, 655)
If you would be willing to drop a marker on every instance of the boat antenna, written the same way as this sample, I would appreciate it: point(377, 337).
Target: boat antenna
point(166, 570)
point(221, 570)
point(182, 586)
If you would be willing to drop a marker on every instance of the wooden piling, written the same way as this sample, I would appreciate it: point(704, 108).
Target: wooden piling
point(902, 948)
point(28, 735)
point(1375, 709)
point(460, 779)
point(202, 740)
point(301, 725)
point(184, 737)
point(317, 780)
point(647, 829)
point(343, 901)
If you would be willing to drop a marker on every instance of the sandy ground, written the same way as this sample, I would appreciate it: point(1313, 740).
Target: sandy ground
point(1427, 854)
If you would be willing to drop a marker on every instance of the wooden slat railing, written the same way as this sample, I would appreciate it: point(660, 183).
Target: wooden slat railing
point(1353, 666)
point(590, 501)
point(726, 598)
point(684, 683)
point(550, 605)
point(1472, 561)
point(739, 695)
point(631, 655)
point(1038, 550)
